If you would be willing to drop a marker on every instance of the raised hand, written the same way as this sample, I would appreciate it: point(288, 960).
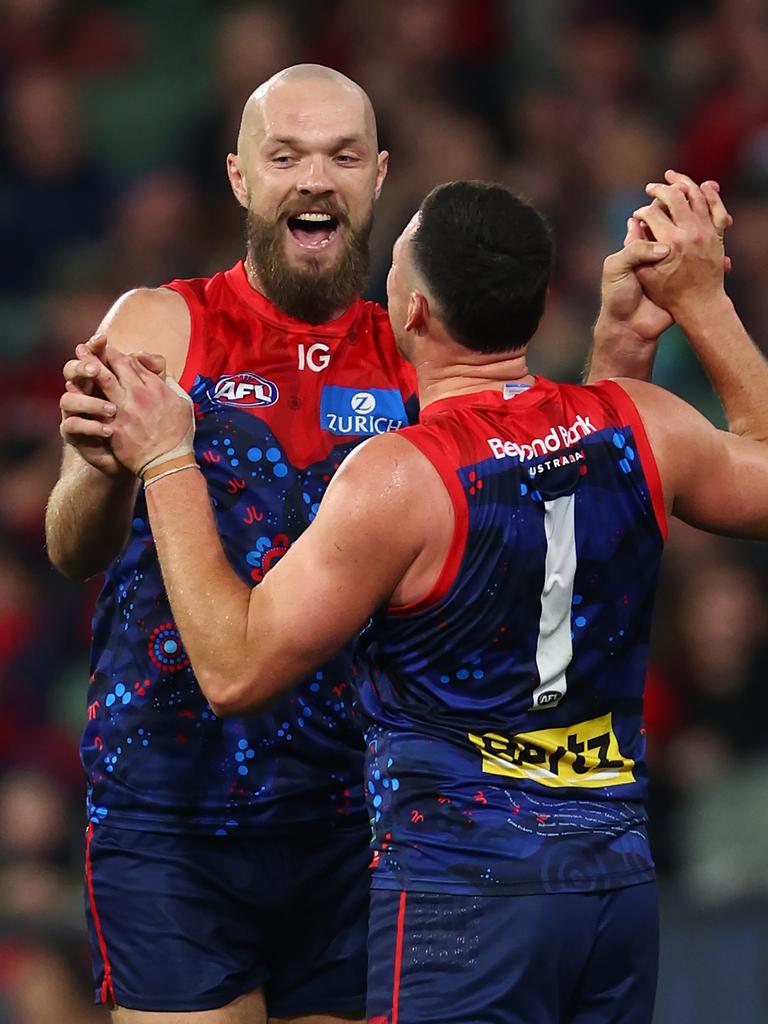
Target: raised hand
point(628, 326)
point(153, 417)
point(622, 297)
point(692, 221)
point(86, 412)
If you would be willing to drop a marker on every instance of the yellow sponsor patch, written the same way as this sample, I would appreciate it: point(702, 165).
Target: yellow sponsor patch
point(586, 755)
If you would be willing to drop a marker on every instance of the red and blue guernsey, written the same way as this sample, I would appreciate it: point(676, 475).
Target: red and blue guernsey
point(503, 712)
point(279, 403)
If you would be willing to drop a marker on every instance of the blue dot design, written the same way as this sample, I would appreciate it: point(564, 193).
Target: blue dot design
point(628, 452)
point(243, 753)
point(121, 693)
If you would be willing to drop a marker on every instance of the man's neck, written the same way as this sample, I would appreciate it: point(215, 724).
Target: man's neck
point(481, 373)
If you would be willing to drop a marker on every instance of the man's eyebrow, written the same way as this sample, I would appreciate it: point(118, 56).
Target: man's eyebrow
point(333, 144)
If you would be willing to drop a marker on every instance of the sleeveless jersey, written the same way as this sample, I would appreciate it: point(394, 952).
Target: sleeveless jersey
point(503, 712)
point(279, 403)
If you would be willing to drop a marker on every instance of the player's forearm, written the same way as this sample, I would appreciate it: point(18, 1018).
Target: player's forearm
point(735, 366)
point(618, 351)
point(88, 520)
point(210, 603)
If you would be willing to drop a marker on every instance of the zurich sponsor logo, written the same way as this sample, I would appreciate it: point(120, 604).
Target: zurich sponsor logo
point(356, 412)
point(244, 389)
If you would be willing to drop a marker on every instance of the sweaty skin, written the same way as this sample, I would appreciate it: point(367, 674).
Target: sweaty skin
point(385, 523)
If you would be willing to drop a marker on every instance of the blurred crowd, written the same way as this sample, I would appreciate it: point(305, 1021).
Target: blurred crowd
point(116, 120)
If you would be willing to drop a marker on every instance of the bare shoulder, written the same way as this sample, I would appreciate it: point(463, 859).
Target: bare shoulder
point(150, 320)
point(388, 460)
point(643, 393)
point(387, 476)
point(662, 411)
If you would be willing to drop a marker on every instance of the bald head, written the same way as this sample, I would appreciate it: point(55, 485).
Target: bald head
point(308, 171)
point(301, 86)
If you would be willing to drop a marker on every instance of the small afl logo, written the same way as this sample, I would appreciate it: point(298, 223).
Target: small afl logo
point(246, 390)
point(548, 697)
point(363, 402)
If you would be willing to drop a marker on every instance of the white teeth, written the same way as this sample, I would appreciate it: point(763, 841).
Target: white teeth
point(318, 218)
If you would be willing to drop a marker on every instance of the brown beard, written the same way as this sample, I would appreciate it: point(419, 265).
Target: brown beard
point(308, 293)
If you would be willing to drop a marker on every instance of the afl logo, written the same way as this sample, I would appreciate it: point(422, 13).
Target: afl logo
point(363, 402)
point(245, 390)
point(548, 697)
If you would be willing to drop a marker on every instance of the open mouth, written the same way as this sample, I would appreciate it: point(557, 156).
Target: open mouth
point(313, 230)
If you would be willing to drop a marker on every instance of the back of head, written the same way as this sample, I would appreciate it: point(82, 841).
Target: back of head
point(486, 257)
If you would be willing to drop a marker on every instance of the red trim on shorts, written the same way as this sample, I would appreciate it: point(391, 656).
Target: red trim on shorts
point(196, 321)
point(442, 464)
point(399, 938)
point(629, 412)
point(107, 988)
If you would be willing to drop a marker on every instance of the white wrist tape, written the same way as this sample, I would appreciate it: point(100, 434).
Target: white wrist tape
point(185, 447)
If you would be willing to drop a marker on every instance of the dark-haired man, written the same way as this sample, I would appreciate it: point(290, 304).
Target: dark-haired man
point(507, 549)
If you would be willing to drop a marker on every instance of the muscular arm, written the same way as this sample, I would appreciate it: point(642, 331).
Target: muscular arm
point(711, 478)
point(736, 368)
point(690, 285)
point(375, 536)
point(88, 517)
point(89, 511)
point(379, 534)
point(714, 479)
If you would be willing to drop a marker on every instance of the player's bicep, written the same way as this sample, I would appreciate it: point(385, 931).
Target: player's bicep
point(342, 569)
point(723, 484)
point(712, 479)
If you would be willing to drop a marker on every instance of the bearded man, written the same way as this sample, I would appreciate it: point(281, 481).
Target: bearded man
point(226, 860)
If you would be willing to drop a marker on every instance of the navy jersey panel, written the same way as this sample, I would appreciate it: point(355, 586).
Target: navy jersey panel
point(505, 741)
point(278, 403)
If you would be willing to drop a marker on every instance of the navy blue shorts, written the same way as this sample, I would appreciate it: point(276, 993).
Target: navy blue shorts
point(187, 922)
point(570, 958)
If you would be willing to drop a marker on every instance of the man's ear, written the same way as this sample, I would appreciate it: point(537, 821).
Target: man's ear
point(237, 180)
point(382, 162)
point(419, 313)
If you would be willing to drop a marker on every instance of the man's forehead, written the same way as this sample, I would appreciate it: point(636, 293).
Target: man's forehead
point(318, 108)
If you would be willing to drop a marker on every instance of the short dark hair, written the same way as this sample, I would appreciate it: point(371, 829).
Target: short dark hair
point(486, 255)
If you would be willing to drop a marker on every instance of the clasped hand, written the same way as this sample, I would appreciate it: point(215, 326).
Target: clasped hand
point(119, 410)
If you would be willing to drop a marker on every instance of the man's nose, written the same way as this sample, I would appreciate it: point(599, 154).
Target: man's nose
point(314, 178)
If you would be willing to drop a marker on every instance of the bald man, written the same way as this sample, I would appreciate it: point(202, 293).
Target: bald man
point(226, 860)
